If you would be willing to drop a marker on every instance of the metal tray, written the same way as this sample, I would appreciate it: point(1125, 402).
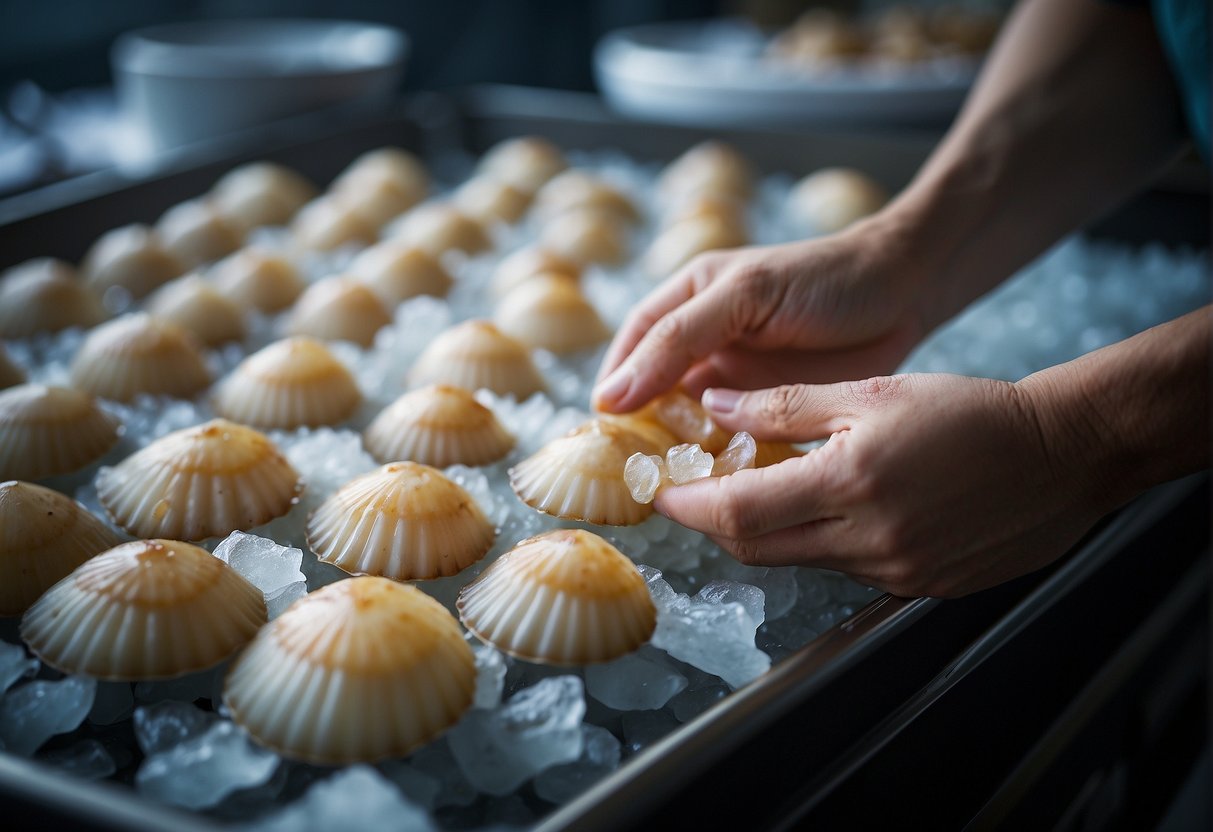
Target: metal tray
point(825, 713)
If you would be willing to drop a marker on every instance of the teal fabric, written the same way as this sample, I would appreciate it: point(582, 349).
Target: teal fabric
point(1183, 28)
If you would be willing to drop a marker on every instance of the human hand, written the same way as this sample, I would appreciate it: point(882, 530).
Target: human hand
point(836, 308)
point(928, 485)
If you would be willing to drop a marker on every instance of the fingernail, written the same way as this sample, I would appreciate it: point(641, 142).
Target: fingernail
point(614, 386)
point(721, 401)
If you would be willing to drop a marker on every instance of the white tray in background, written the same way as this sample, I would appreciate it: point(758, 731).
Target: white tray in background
point(713, 73)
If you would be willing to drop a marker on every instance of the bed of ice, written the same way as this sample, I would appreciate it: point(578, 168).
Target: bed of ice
point(537, 736)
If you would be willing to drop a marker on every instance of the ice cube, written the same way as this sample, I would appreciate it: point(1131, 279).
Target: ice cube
point(36, 711)
point(537, 728)
point(203, 770)
point(490, 677)
point(87, 760)
point(686, 463)
point(262, 562)
point(437, 761)
point(778, 583)
point(281, 599)
point(740, 454)
point(636, 682)
point(14, 664)
point(357, 799)
point(113, 703)
point(165, 725)
point(751, 598)
point(643, 474)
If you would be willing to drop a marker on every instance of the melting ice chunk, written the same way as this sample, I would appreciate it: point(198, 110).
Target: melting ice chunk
point(87, 759)
point(165, 725)
point(751, 598)
point(643, 475)
point(687, 462)
point(636, 682)
point(14, 664)
point(201, 771)
point(537, 728)
point(36, 711)
point(357, 798)
point(599, 757)
point(262, 562)
point(490, 677)
point(740, 454)
point(280, 600)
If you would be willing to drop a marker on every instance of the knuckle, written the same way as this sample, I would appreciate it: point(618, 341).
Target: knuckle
point(781, 405)
point(871, 391)
point(746, 552)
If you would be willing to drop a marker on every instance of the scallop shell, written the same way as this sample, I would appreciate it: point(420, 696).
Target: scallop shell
point(710, 167)
point(439, 228)
point(580, 476)
point(727, 209)
point(328, 223)
point(338, 309)
point(358, 671)
point(148, 609)
point(516, 268)
point(200, 482)
point(440, 426)
point(525, 162)
point(259, 194)
point(403, 521)
point(43, 537)
point(550, 312)
point(490, 200)
point(382, 184)
point(46, 431)
point(139, 354)
point(565, 597)
point(587, 236)
point(679, 243)
point(10, 373)
point(475, 354)
point(833, 198)
point(264, 280)
point(288, 384)
point(397, 271)
point(196, 306)
point(196, 234)
point(132, 258)
point(576, 189)
point(44, 295)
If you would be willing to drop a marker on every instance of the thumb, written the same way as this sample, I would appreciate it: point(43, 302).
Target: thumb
point(790, 413)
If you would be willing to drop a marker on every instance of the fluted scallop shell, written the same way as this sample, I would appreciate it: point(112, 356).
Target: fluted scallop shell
point(398, 271)
point(264, 280)
point(566, 597)
point(139, 354)
point(196, 234)
point(43, 537)
point(476, 354)
point(382, 184)
point(200, 482)
point(440, 426)
point(338, 309)
point(526, 162)
point(44, 295)
point(327, 223)
point(290, 383)
point(260, 193)
point(196, 306)
point(728, 209)
point(148, 609)
point(580, 476)
point(489, 200)
point(551, 313)
point(438, 228)
point(403, 521)
point(833, 198)
point(576, 189)
point(358, 671)
point(515, 269)
point(709, 167)
point(587, 236)
point(10, 373)
point(46, 431)
point(132, 258)
point(679, 243)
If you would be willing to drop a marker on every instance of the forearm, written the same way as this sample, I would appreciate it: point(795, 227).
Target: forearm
point(1130, 416)
point(1074, 111)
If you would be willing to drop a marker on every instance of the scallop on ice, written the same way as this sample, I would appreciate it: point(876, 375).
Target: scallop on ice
point(258, 278)
point(45, 295)
point(550, 312)
point(326, 223)
point(438, 228)
point(403, 521)
point(200, 482)
point(382, 184)
point(196, 306)
point(195, 233)
point(474, 355)
point(519, 267)
point(260, 193)
point(46, 431)
point(397, 271)
point(358, 671)
point(338, 308)
point(148, 609)
point(566, 597)
point(526, 162)
point(488, 200)
point(438, 425)
point(138, 353)
point(587, 235)
point(833, 198)
point(131, 258)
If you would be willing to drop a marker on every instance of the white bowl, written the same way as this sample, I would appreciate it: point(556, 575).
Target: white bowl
point(186, 82)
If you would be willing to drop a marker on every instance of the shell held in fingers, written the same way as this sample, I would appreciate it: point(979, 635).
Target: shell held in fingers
point(43, 537)
point(580, 475)
point(438, 425)
point(549, 312)
point(403, 521)
point(44, 295)
point(47, 431)
point(358, 671)
point(139, 354)
point(475, 355)
point(200, 482)
point(291, 383)
point(148, 609)
point(338, 309)
point(566, 597)
point(196, 306)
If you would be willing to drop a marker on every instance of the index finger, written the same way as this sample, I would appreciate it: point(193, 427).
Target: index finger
point(669, 295)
